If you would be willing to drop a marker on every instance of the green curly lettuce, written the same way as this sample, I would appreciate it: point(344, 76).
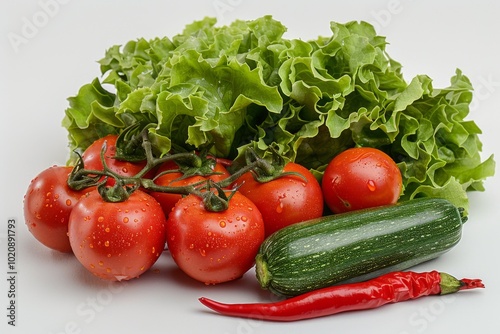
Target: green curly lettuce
point(245, 85)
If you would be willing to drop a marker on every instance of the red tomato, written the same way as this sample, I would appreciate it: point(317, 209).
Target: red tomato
point(117, 241)
point(286, 200)
point(360, 178)
point(168, 200)
point(92, 158)
point(214, 247)
point(47, 205)
point(174, 179)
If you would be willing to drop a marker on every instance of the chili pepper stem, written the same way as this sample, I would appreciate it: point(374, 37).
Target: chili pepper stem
point(450, 284)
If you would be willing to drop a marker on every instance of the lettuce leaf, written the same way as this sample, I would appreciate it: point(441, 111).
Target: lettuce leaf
point(245, 85)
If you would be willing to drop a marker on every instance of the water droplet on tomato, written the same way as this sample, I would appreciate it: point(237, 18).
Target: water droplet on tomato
point(107, 229)
point(101, 263)
point(279, 207)
point(68, 202)
point(203, 252)
point(106, 243)
point(244, 218)
point(100, 219)
point(125, 220)
point(371, 185)
point(222, 224)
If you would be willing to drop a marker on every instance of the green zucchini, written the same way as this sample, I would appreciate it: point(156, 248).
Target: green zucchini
point(356, 246)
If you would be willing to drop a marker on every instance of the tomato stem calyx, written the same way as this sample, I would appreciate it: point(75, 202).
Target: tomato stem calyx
point(116, 193)
point(266, 171)
point(215, 202)
point(80, 178)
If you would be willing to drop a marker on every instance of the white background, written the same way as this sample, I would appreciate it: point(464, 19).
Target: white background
point(59, 54)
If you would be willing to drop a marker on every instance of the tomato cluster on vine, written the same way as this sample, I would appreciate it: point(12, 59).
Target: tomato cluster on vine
point(118, 217)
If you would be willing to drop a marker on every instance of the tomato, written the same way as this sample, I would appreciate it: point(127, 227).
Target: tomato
point(214, 247)
point(286, 200)
point(117, 241)
point(360, 178)
point(47, 205)
point(168, 200)
point(92, 158)
point(174, 179)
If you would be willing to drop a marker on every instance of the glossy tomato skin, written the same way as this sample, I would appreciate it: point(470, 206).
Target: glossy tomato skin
point(92, 158)
point(214, 247)
point(47, 206)
point(117, 241)
point(286, 200)
point(360, 178)
point(176, 179)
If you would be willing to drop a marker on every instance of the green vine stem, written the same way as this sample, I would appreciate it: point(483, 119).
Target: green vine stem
point(213, 193)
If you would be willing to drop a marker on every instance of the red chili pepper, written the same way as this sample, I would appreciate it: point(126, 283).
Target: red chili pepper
point(389, 288)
